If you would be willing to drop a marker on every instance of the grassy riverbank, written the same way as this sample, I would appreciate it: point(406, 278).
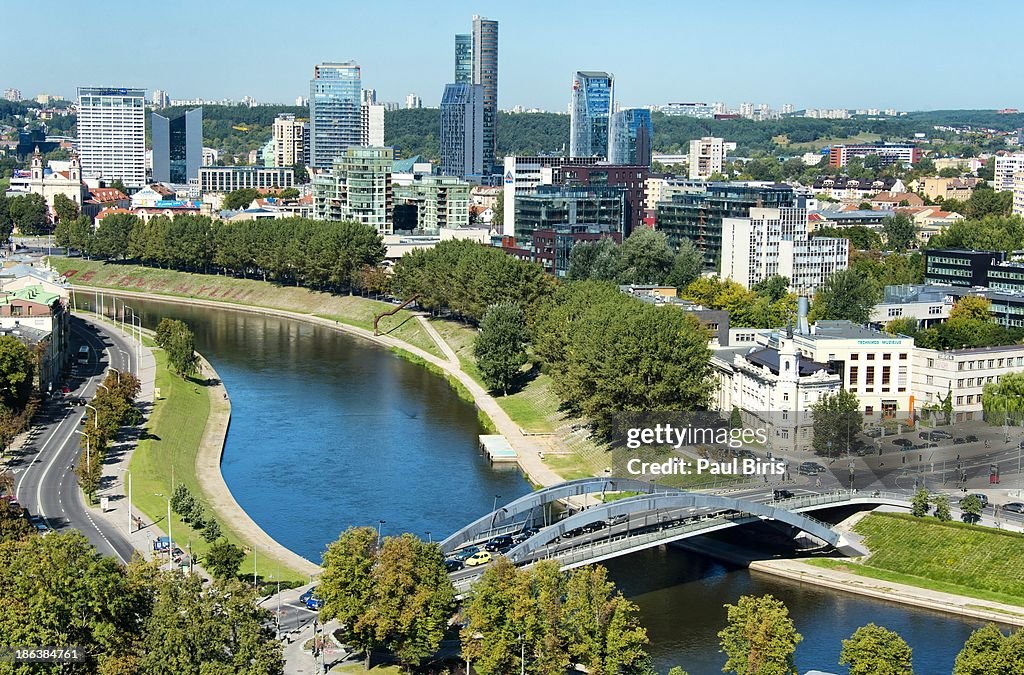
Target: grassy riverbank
point(968, 560)
point(351, 310)
point(167, 454)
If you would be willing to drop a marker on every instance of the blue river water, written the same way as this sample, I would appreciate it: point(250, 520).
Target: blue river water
point(328, 432)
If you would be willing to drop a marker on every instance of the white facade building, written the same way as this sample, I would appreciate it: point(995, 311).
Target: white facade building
point(372, 124)
point(112, 134)
point(413, 101)
point(291, 140)
point(962, 374)
point(1007, 167)
point(707, 155)
point(1018, 193)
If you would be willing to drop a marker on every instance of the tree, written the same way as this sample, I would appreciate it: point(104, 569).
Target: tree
point(76, 233)
point(176, 338)
point(65, 208)
point(346, 585)
point(905, 325)
point(301, 175)
point(942, 508)
point(837, 421)
point(1003, 401)
point(112, 236)
point(760, 638)
point(646, 256)
point(498, 219)
point(774, 287)
point(872, 650)
point(29, 214)
point(846, 294)
point(899, 231)
point(687, 265)
point(17, 366)
point(677, 670)
point(240, 199)
point(211, 532)
point(599, 260)
point(970, 508)
point(971, 307)
point(919, 503)
point(986, 653)
point(223, 559)
point(500, 348)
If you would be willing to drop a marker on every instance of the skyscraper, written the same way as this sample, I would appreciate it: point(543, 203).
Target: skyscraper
point(412, 101)
point(485, 73)
point(112, 134)
point(177, 147)
point(462, 128)
point(629, 140)
point(464, 58)
point(291, 140)
point(592, 103)
point(372, 124)
point(334, 116)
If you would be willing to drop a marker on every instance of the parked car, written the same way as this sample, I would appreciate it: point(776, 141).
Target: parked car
point(934, 435)
point(453, 565)
point(902, 442)
point(307, 595)
point(874, 432)
point(782, 494)
point(971, 438)
point(959, 441)
point(464, 553)
point(810, 468)
point(314, 603)
point(1014, 507)
point(479, 558)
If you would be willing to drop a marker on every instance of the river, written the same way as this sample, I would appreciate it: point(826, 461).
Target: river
point(329, 431)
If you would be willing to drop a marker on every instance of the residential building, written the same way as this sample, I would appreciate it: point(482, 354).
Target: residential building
point(522, 174)
point(13, 95)
point(962, 375)
point(853, 217)
point(856, 190)
point(775, 241)
point(291, 140)
point(629, 140)
point(161, 99)
point(660, 189)
point(39, 317)
point(552, 246)
point(1018, 194)
point(358, 187)
point(464, 59)
point(335, 118)
point(552, 205)
point(112, 134)
point(413, 101)
point(1007, 167)
point(371, 125)
point(590, 110)
point(231, 178)
point(49, 184)
point(462, 130)
point(440, 202)
point(891, 200)
point(485, 73)
point(941, 189)
point(888, 153)
point(707, 155)
point(698, 215)
point(699, 110)
point(631, 179)
point(177, 147)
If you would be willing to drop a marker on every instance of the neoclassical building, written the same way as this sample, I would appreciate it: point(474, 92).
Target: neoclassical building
point(49, 185)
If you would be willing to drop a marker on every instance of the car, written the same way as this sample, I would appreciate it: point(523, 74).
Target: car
point(971, 438)
point(874, 432)
point(307, 595)
point(575, 532)
point(902, 442)
point(935, 435)
point(453, 565)
point(464, 553)
point(1014, 507)
point(314, 603)
point(479, 558)
point(959, 441)
point(40, 524)
point(595, 526)
point(810, 468)
point(782, 494)
point(498, 543)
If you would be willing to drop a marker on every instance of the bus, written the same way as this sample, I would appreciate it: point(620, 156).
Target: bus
point(83, 354)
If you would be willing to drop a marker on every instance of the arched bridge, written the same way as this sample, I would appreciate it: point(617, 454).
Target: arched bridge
point(655, 516)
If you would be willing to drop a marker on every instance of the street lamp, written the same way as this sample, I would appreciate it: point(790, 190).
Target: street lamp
point(429, 540)
point(380, 524)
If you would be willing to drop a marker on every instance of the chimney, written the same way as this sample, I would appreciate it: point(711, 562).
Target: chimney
point(801, 316)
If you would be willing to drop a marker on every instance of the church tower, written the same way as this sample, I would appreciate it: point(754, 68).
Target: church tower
point(37, 166)
point(75, 170)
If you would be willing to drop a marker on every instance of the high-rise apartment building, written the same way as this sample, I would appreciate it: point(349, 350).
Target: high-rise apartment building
point(707, 155)
point(161, 99)
point(358, 187)
point(177, 147)
point(413, 101)
point(1007, 166)
point(592, 103)
point(485, 73)
point(335, 118)
point(12, 95)
point(371, 117)
point(112, 134)
point(368, 97)
point(291, 140)
point(464, 59)
point(462, 129)
point(629, 139)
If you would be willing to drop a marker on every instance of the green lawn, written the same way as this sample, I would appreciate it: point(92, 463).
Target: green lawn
point(174, 432)
point(818, 143)
point(953, 557)
point(352, 310)
point(375, 670)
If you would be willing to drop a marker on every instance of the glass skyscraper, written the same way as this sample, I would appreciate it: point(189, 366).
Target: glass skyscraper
point(177, 147)
point(464, 59)
point(462, 127)
point(335, 122)
point(485, 73)
point(630, 137)
point(593, 100)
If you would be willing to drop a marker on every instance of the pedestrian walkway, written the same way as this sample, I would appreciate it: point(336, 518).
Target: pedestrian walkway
point(440, 341)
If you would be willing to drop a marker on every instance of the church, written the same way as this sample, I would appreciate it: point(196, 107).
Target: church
point(49, 184)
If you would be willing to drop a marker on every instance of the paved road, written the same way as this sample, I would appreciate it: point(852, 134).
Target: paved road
point(46, 483)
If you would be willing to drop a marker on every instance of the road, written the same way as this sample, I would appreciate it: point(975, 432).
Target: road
point(45, 480)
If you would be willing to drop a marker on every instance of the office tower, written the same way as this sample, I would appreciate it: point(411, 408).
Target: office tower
point(629, 140)
point(371, 117)
point(335, 122)
point(462, 128)
point(485, 73)
point(707, 155)
point(592, 103)
point(413, 101)
point(177, 147)
point(112, 134)
point(291, 140)
point(464, 59)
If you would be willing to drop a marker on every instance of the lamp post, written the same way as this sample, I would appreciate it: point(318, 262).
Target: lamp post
point(380, 524)
point(96, 419)
point(429, 540)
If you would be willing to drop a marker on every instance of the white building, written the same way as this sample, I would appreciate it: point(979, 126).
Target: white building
point(112, 134)
point(775, 241)
point(707, 155)
point(231, 178)
point(1007, 167)
point(49, 184)
point(372, 124)
point(291, 140)
point(962, 374)
point(413, 101)
point(1018, 193)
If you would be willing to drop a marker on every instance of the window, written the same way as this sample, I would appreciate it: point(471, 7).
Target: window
point(871, 357)
point(970, 400)
point(886, 357)
point(854, 357)
point(959, 400)
point(869, 410)
point(931, 363)
point(903, 356)
point(959, 383)
point(853, 375)
point(886, 373)
point(869, 376)
point(928, 379)
point(785, 397)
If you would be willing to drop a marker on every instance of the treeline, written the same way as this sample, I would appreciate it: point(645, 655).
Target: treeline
point(18, 402)
point(970, 324)
point(645, 257)
point(990, 233)
point(113, 406)
point(316, 254)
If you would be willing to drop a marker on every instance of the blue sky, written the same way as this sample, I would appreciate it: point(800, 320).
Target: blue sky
point(906, 54)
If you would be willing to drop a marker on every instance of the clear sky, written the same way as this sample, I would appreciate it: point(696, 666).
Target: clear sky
point(905, 54)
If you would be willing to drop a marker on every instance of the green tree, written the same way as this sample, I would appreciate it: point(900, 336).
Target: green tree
point(599, 260)
point(646, 256)
point(29, 214)
point(919, 503)
point(239, 199)
point(760, 638)
point(176, 338)
point(872, 650)
point(846, 294)
point(65, 208)
point(970, 507)
point(223, 559)
point(112, 235)
point(76, 233)
point(1003, 401)
point(677, 670)
point(17, 368)
point(837, 420)
point(900, 232)
point(346, 586)
point(301, 175)
point(498, 219)
point(687, 265)
point(211, 532)
point(986, 653)
point(971, 307)
point(906, 325)
point(774, 288)
point(500, 347)
point(942, 508)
